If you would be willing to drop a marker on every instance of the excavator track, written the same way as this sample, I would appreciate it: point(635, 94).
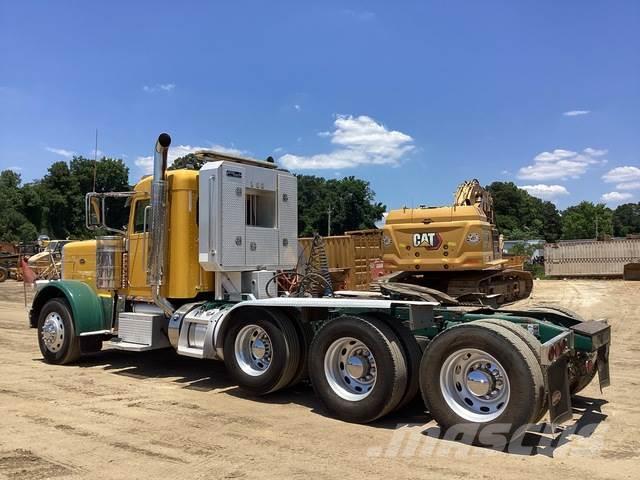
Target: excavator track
point(511, 285)
point(494, 287)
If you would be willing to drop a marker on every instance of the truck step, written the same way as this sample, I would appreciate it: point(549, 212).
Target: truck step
point(120, 344)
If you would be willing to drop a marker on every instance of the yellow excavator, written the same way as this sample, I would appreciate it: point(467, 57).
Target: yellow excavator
point(452, 253)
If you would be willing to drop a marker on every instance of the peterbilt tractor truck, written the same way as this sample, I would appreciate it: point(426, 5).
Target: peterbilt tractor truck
point(191, 271)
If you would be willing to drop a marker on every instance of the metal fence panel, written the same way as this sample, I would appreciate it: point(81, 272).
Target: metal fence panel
point(590, 258)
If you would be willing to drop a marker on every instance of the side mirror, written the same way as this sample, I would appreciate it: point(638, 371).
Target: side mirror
point(93, 211)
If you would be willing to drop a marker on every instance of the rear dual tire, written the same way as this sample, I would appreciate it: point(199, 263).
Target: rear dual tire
point(357, 368)
point(263, 351)
point(534, 345)
point(477, 375)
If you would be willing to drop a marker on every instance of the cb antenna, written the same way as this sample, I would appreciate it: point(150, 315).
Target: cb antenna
point(95, 162)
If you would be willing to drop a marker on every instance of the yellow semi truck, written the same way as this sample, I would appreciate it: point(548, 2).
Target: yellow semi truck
point(191, 271)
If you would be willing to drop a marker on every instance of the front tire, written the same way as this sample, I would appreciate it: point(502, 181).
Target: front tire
point(57, 340)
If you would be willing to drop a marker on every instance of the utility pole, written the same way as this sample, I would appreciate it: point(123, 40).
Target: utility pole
point(329, 221)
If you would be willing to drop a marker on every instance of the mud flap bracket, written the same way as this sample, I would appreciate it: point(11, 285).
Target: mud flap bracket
point(603, 367)
point(558, 390)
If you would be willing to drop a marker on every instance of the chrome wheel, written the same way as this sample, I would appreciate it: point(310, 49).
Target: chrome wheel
point(53, 332)
point(350, 369)
point(474, 385)
point(253, 350)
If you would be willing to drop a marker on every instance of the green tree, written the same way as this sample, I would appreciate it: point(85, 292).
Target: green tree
point(61, 196)
point(14, 225)
point(522, 216)
point(111, 175)
point(551, 222)
point(350, 199)
point(55, 204)
point(626, 219)
point(580, 220)
point(189, 161)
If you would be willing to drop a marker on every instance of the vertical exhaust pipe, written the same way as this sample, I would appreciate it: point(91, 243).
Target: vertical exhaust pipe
point(157, 252)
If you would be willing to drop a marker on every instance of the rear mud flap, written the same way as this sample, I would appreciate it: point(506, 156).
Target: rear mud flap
point(559, 395)
point(603, 367)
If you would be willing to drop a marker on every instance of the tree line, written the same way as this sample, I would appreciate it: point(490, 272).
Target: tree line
point(521, 216)
point(54, 205)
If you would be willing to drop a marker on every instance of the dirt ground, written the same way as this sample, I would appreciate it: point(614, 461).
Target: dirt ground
point(127, 415)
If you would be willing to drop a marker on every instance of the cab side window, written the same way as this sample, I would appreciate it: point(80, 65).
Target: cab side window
point(139, 216)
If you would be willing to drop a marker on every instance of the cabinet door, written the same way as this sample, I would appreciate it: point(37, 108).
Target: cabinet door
point(288, 220)
point(262, 246)
point(233, 217)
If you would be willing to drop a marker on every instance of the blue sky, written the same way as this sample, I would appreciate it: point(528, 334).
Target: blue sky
point(413, 96)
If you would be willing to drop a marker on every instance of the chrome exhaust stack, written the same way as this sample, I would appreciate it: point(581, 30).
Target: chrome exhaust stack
point(157, 251)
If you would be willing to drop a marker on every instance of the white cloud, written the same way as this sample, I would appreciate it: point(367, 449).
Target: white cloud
point(15, 168)
point(61, 151)
point(561, 164)
point(361, 141)
point(146, 163)
point(545, 192)
point(596, 152)
point(575, 113)
point(615, 197)
point(361, 16)
point(164, 87)
point(625, 174)
point(628, 186)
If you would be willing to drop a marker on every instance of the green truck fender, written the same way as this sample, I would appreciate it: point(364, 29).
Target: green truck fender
point(91, 312)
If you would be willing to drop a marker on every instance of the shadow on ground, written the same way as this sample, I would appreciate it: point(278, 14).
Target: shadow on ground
point(205, 376)
point(542, 438)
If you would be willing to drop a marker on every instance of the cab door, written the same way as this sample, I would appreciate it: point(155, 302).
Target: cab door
point(138, 247)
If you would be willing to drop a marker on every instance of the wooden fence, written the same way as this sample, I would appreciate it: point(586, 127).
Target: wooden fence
point(355, 258)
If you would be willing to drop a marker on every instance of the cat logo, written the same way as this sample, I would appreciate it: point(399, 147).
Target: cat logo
point(431, 240)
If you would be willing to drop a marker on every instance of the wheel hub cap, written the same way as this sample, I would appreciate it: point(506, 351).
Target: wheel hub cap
point(474, 384)
point(479, 382)
point(357, 366)
point(350, 369)
point(53, 332)
point(252, 350)
point(259, 349)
